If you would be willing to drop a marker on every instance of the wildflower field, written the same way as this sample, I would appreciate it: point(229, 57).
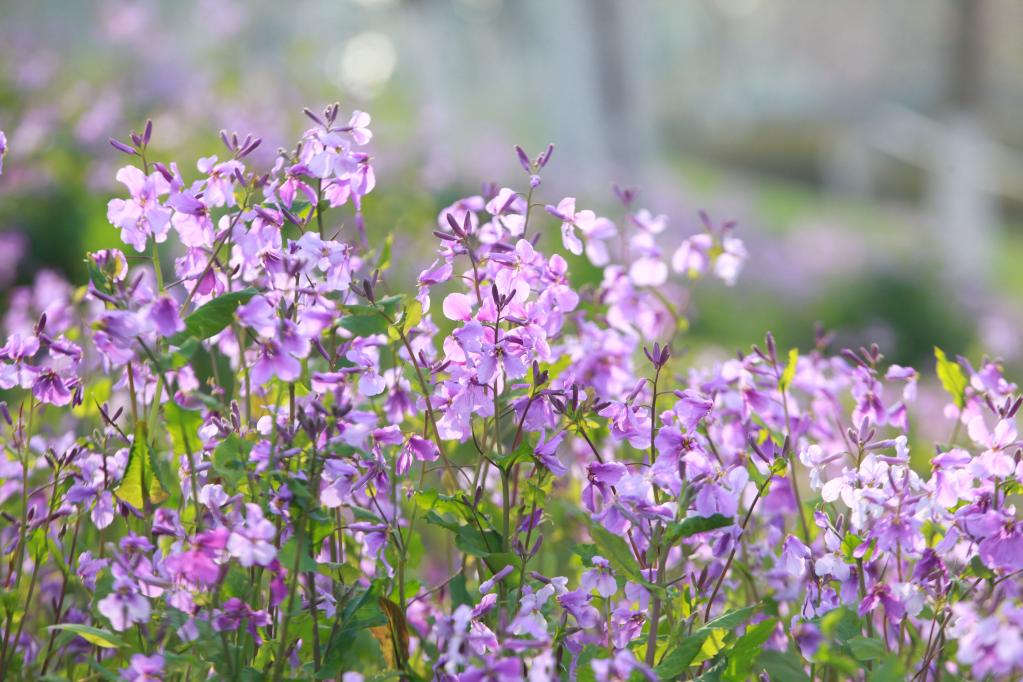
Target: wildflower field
point(243, 451)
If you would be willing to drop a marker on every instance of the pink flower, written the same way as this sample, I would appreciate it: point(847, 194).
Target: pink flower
point(165, 316)
point(142, 215)
point(250, 540)
point(595, 230)
point(546, 451)
point(124, 606)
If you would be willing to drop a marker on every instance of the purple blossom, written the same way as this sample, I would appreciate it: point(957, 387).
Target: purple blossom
point(143, 668)
point(546, 452)
point(165, 316)
point(124, 606)
point(142, 215)
point(249, 541)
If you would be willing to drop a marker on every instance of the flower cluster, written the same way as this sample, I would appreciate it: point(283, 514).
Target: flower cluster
point(236, 452)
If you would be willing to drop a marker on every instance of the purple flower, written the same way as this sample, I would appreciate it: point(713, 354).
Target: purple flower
point(457, 307)
point(794, 556)
point(487, 586)
point(546, 452)
point(191, 219)
point(89, 568)
point(51, 388)
point(3, 150)
point(595, 230)
point(578, 604)
point(141, 216)
point(691, 408)
point(621, 667)
point(144, 668)
point(250, 540)
point(416, 449)
point(600, 578)
point(273, 361)
point(199, 564)
point(1004, 548)
point(165, 317)
point(124, 606)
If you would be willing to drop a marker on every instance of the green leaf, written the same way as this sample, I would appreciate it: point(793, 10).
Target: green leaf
point(840, 624)
point(697, 524)
point(586, 551)
point(685, 652)
point(98, 636)
point(889, 671)
point(390, 304)
point(790, 371)
point(212, 317)
point(229, 459)
point(951, 376)
point(182, 424)
point(139, 482)
point(469, 539)
point(413, 316)
point(732, 619)
point(360, 613)
point(617, 551)
point(678, 659)
point(104, 673)
point(460, 592)
point(385, 253)
point(867, 648)
point(746, 650)
point(364, 321)
point(782, 666)
point(165, 475)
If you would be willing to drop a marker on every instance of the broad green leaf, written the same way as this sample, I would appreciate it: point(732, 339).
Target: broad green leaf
point(617, 551)
point(139, 482)
point(732, 619)
point(413, 316)
point(364, 323)
point(165, 474)
point(678, 659)
point(394, 636)
point(229, 459)
point(182, 425)
point(385, 253)
point(98, 636)
point(705, 643)
point(890, 670)
point(697, 524)
point(746, 650)
point(460, 592)
point(713, 644)
point(212, 317)
point(790, 371)
point(390, 304)
point(867, 648)
point(840, 624)
point(360, 613)
point(469, 539)
point(498, 560)
point(431, 500)
point(951, 376)
point(586, 551)
point(849, 545)
point(103, 672)
point(782, 666)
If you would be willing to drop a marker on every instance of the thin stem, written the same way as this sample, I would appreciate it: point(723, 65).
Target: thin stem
point(735, 546)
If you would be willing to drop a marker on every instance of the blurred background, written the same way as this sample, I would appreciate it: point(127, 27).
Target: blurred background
point(870, 150)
